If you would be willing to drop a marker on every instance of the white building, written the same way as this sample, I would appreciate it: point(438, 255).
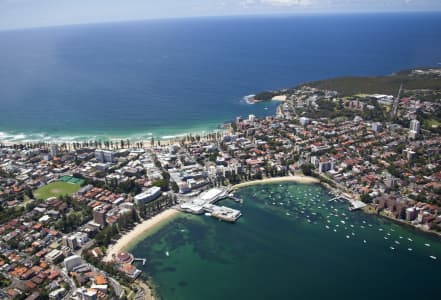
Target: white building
point(57, 294)
point(415, 128)
point(377, 127)
point(71, 262)
point(415, 125)
point(304, 121)
point(148, 195)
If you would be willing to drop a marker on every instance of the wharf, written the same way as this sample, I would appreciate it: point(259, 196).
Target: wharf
point(205, 202)
point(355, 204)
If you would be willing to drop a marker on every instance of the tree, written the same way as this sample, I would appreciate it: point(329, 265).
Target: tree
point(162, 183)
point(366, 198)
point(307, 169)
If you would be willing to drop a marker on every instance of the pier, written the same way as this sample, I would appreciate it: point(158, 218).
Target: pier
point(142, 260)
point(206, 203)
point(355, 204)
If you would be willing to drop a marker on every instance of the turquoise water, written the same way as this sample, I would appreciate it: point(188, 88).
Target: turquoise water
point(169, 77)
point(282, 249)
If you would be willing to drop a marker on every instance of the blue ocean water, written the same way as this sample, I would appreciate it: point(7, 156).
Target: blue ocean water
point(168, 77)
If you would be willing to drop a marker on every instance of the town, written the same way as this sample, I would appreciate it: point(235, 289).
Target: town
point(63, 205)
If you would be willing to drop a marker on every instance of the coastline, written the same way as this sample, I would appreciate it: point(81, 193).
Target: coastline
point(145, 143)
point(293, 178)
point(138, 232)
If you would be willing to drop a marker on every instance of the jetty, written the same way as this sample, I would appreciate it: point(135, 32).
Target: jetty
point(205, 203)
point(142, 260)
point(355, 204)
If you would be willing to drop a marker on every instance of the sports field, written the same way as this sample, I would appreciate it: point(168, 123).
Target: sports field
point(55, 189)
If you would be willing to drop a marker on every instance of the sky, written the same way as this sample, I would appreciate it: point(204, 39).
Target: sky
point(38, 13)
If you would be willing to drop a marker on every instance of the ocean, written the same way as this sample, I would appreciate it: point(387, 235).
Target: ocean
point(291, 243)
point(164, 78)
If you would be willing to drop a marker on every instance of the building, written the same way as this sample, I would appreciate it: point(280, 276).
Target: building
point(75, 240)
point(99, 215)
point(87, 293)
point(90, 294)
point(377, 127)
point(57, 294)
point(104, 156)
point(71, 262)
point(324, 166)
point(411, 213)
point(71, 242)
point(415, 128)
point(148, 195)
point(54, 256)
point(304, 121)
point(391, 181)
point(54, 150)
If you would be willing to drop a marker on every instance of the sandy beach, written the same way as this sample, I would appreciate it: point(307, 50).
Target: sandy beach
point(132, 236)
point(296, 178)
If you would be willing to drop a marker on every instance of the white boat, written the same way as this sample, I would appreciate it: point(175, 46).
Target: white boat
point(208, 214)
point(166, 253)
point(391, 248)
point(347, 236)
point(409, 249)
point(427, 245)
point(397, 242)
point(364, 241)
point(409, 239)
point(432, 257)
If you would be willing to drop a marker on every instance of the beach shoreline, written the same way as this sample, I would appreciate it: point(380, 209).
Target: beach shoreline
point(138, 232)
point(144, 142)
point(293, 178)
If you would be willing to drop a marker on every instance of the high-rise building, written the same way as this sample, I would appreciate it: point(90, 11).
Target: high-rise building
point(415, 128)
point(415, 125)
point(99, 215)
point(54, 150)
point(104, 156)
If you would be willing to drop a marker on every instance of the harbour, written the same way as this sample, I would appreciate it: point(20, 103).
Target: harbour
point(296, 223)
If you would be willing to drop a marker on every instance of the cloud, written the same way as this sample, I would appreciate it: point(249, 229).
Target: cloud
point(288, 2)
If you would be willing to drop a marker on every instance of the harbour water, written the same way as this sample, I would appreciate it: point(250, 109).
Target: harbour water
point(168, 77)
point(291, 243)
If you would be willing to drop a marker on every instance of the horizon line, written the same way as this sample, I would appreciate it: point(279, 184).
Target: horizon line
point(251, 15)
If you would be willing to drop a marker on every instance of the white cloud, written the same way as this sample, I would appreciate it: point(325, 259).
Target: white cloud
point(288, 2)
